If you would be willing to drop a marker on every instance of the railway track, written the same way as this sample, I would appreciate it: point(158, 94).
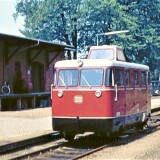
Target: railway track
point(83, 145)
point(80, 147)
point(59, 146)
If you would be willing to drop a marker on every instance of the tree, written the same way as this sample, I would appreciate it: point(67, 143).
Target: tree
point(51, 20)
point(146, 34)
point(76, 22)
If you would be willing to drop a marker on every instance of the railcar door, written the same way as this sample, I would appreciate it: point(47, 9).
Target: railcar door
point(119, 99)
point(145, 92)
point(131, 81)
point(129, 91)
point(135, 96)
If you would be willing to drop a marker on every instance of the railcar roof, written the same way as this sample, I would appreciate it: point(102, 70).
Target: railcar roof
point(105, 47)
point(98, 63)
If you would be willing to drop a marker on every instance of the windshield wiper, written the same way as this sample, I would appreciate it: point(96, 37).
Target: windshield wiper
point(63, 82)
point(86, 81)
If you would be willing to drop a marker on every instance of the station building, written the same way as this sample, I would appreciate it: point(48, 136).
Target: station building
point(26, 65)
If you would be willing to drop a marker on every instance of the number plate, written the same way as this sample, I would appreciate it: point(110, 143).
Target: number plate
point(78, 99)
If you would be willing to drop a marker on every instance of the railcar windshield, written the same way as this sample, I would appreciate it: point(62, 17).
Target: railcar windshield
point(91, 77)
point(68, 77)
point(102, 54)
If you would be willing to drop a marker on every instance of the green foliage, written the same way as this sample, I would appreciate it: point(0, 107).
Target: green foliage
point(76, 22)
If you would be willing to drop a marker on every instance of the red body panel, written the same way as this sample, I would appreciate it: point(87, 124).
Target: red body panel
point(137, 100)
point(120, 105)
point(128, 102)
point(90, 107)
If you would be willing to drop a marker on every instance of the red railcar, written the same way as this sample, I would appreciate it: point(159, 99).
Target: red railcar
point(101, 95)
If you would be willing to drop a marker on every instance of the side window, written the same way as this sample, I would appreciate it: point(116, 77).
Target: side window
point(121, 56)
point(109, 78)
point(127, 78)
point(119, 77)
point(135, 78)
point(143, 78)
point(147, 77)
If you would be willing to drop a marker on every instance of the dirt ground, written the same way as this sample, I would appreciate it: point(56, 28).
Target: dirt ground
point(31, 113)
point(144, 148)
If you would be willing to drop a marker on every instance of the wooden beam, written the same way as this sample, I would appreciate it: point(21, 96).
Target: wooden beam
point(47, 60)
point(5, 54)
point(35, 56)
point(54, 57)
point(12, 54)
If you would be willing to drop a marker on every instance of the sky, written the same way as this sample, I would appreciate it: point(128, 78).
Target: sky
point(7, 23)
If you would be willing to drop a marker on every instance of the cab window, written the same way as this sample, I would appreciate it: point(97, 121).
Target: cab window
point(109, 77)
point(68, 77)
point(91, 77)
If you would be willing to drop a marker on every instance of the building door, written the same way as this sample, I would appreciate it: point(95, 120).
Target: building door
point(38, 77)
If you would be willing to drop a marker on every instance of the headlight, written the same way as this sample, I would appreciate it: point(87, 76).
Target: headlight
point(80, 63)
point(60, 94)
point(98, 93)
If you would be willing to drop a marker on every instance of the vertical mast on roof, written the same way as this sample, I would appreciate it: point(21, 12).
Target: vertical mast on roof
point(110, 33)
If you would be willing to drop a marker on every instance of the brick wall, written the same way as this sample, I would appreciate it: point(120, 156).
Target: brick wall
point(49, 71)
point(8, 70)
point(10, 65)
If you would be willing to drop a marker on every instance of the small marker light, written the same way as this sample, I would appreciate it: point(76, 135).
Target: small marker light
point(60, 94)
point(98, 93)
point(80, 63)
